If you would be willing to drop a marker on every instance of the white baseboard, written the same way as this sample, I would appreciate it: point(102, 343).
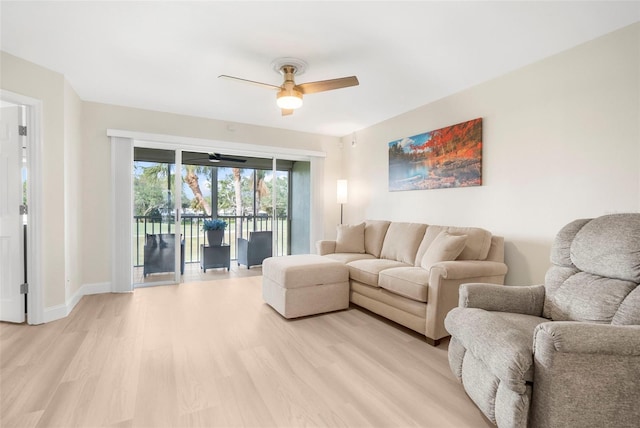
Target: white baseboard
point(54, 313)
point(61, 311)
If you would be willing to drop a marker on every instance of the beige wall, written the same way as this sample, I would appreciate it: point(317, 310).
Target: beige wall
point(560, 141)
point(73, 180)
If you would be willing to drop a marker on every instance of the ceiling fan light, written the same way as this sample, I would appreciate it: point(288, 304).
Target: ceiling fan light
point(289, 99)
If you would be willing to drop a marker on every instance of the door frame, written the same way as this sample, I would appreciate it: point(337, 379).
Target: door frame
point(123, 141)
point(35, 301)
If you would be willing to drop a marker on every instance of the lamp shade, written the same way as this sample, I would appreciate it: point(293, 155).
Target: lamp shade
point(341, 194)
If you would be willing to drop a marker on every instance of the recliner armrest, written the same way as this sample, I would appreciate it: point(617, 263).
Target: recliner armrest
point(325, 247)
point(588, 338)
point(586, 374)
point(527, 300)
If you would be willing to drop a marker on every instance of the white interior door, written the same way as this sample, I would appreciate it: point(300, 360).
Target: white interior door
point(12, 307)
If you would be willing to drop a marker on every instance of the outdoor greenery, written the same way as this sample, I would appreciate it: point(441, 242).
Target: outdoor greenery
point(230, 202)
point(244, 204)
point(237, 190)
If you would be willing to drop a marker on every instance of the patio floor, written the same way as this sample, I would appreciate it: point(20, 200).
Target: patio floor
point(193, 273)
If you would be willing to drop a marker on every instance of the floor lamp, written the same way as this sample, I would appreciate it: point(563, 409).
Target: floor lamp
point(341, 195)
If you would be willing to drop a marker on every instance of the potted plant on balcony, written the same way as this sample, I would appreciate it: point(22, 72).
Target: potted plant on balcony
point(215, 231)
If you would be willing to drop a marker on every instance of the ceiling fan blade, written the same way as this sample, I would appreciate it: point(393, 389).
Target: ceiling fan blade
point(264, 85)
point(217, 157)
point(231, 159)
point(286, 112)
point(327, 85)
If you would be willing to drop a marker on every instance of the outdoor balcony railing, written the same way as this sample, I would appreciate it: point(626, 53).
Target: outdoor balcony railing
point(194, 236)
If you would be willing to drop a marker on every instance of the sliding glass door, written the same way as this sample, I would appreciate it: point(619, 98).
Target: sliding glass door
point(172, 200)
point(157, 197)
point(158, 244)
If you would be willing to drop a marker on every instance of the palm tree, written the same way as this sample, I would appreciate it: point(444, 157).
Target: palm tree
point(261, 189)
point(191, 178)
point(152, 189)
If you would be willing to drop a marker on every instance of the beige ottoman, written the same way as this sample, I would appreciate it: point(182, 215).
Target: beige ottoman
point(301, 285)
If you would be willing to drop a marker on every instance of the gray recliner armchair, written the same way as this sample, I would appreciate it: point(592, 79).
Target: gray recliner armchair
point(562, 354)
point(253, 251)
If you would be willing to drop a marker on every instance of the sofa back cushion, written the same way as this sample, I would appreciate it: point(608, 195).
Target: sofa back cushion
point(402, 240)
point(374, 233)
point(476, 248)
point(595, 271)
point(350, 238)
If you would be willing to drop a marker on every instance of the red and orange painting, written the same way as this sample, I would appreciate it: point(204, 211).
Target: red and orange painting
point(446, 157)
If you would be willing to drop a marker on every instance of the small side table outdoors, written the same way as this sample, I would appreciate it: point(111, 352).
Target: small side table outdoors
point(218, 256)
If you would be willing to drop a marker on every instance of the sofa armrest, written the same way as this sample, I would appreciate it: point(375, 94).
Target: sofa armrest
point(586, 375)
point(588, 338)
point(325, 247)
point(527, 300)
point(461, 269)
point(445, 279)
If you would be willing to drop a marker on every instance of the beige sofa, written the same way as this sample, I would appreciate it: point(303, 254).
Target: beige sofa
point(410, 272)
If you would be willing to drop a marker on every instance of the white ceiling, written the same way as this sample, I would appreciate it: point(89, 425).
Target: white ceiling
point(166, 56)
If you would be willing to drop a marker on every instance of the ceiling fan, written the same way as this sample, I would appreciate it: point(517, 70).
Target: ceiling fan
point(289, 96)
point(217, 157)
point(213, 158)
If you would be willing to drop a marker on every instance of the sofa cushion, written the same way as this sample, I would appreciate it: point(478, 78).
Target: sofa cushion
point(350, 238)
point(303, 270)
point(348, 257)
point(402, 241)
point(413, 308)
point(478, 242)
point(374, 233)
point(367, 270)
point(411, 282)
point(445, 247)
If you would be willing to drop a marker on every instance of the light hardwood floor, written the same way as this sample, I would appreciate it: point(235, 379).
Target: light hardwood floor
point(214, 354)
